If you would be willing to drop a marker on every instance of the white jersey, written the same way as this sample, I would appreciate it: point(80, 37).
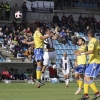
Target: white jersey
point(50, 41)
point(66, 63)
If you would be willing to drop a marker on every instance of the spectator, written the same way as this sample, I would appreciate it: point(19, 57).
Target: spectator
point(8, 8)
point(1, 34)
point(2, 9)
point(87, 29)
point(15, 8)
point(28, 54)
point(5, 42)
point(80, 17)
point(14, 24)
point(5, 74)
point(16, 74)
point(74, 39)
point(55, 19)
point(64, 36)
point(64, 20)
point(24, 11)
point(28, 30)
point(57, 29)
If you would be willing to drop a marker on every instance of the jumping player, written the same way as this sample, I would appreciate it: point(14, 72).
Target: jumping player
point(80, 64)
point(49, 51)
point(93, 67)
point(38, 51)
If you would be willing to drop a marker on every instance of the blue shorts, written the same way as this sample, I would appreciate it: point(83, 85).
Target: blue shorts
point(38, 54)
point(80, 69)
point(92, 70)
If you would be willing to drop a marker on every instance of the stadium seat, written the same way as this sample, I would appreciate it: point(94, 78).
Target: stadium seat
point(91, 5)
point(79, 5)
point(68, 52)
point(75, 4)
point(58, 65)
point(83, 4)
point(56, 42)
point(87, 5)
point(95, 5)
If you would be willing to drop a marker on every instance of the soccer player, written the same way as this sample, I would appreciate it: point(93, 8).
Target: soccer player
point(38, 51)
point(93, 67)
point(65, 64)
point(80, 64)
point(49, 51)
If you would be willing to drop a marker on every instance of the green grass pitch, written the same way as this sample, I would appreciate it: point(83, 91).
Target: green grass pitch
point(25, 91)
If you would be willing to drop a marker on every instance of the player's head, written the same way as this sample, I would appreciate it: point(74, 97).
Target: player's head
point(81, 41)
point(46, 30)
point(91, 34)
point(65, 54)
point(38, 26)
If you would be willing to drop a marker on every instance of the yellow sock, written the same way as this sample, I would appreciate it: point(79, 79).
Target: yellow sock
point(93, 87)
point(80, 84)
point(86, 88)
point(38, 73)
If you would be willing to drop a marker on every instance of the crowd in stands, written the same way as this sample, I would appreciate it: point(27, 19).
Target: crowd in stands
point(5, 10)
point(13, 74)
point(66, 29)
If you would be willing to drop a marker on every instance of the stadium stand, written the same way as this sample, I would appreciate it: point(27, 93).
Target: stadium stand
point(13, 51)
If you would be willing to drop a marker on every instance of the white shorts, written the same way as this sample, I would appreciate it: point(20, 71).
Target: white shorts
point(66, 72)
point(49, 57)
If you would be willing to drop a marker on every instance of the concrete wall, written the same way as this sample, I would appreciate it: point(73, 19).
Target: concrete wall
point(12, 2)
point(44, 16)
point(20, 66)
point(49, 16)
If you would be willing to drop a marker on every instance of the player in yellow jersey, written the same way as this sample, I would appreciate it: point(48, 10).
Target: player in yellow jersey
point(38, 51)
point(80, 64)
point(93, 67)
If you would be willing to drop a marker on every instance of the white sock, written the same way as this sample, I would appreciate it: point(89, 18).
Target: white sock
point(67, 82)
point(42, 76)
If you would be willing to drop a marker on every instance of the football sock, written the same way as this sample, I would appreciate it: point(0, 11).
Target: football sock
point(93, 87)
point(86, 87)
point(67, 82)
point(38, 73)
point(80, 83)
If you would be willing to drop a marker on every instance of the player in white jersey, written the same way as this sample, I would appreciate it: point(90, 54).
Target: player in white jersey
point(66, 65)
point(49, 51)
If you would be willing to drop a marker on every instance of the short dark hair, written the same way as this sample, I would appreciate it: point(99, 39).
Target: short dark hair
point(45, 29)
point(39, 25)
point(91, 32)
point(82, 39)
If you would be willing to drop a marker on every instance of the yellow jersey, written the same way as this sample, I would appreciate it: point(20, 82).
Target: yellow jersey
point(82, 58)
point(95, 56)
point(39, 43)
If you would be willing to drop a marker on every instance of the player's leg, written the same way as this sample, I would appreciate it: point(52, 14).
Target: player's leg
point(45, 64)
point(52, 58)
point(66, 79)
point(91, 71)
point(64, 73)
point(79, 71)
point(39, 59)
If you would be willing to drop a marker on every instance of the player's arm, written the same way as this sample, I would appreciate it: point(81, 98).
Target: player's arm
point(45, 37)
point(32, 42)
point(71, 66)
point(90, 49)
point(61, 64)
point(81, 50)
point(75, 63)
